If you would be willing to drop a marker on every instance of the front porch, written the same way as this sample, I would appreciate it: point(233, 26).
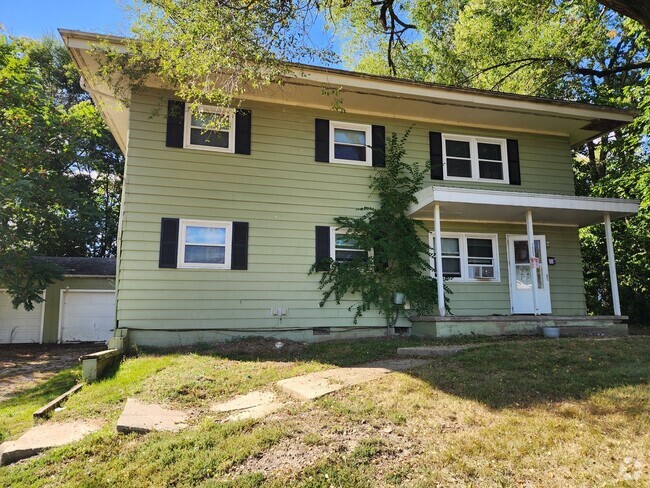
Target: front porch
point(489, 325)
point(470, 261)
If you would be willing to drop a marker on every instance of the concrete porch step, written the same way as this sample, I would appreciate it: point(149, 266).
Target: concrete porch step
point(492, 325)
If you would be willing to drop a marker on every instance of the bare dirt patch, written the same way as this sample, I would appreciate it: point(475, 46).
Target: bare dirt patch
point(24, 366)
point(316, 437)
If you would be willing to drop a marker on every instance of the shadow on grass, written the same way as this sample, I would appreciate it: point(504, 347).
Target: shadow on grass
point(523, 374)
point(507, 372)
point(17, 410)
point(341, 353)
point(46, 391)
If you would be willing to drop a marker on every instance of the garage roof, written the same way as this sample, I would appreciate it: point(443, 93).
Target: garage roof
point(80, 266)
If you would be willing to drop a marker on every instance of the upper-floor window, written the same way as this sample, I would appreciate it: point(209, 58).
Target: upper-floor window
point(350, 143)
point(468, 257)
point(475, 158)
point(204, 244)
point(212, 129)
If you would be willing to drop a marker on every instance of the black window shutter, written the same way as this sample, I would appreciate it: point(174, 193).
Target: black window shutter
point(322, 140)
point(243, 119)
point(514, 170)
point(378, 146)
point(168, 243)
point(175, 123)
point(239, 258)
point(435, 154)
point(323, 254)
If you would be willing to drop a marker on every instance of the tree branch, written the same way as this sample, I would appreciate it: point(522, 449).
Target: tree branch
point(598, 73)
point(602, 73)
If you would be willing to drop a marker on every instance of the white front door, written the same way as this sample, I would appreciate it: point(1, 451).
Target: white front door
point(521, 276)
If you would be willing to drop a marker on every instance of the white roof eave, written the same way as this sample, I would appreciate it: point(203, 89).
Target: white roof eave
point(479, 205)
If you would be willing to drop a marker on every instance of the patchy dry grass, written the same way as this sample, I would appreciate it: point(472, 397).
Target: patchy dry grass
point(570, 412)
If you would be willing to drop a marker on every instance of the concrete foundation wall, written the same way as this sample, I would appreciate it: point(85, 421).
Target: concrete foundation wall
point(437, 327)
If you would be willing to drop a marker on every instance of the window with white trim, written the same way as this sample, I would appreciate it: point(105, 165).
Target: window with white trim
point(474, 158)
point(467, 257)
point(343, 247)
point(204, 244)
point(350, 143)
point(212, 129)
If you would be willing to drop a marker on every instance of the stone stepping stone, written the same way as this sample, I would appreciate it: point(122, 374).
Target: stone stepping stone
point(433, 351)
point(143, 417)
point(316, 385)
point(42, 437)
point(254, 405)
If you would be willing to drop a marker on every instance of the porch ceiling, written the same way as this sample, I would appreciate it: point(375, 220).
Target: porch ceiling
point(463, 204)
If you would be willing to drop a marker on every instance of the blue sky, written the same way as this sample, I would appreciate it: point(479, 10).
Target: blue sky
point(34, 18)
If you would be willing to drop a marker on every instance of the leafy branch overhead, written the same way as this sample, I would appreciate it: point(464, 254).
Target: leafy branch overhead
point(397, 259)
point(216, 52)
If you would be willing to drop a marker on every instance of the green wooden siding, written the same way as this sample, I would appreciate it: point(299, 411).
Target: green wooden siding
point(283, 194)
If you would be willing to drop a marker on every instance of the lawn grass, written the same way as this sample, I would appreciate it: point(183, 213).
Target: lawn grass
point(16, 414)
point(569, 412)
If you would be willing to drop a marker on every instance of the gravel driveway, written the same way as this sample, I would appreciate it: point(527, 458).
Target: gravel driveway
point(23, 366)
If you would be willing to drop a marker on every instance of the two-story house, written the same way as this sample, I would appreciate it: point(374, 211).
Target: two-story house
point(218, 229)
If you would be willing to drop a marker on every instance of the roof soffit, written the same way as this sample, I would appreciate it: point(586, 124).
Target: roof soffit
point(384, 97)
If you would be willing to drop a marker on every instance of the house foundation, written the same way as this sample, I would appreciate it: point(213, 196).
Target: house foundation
point(491, 325)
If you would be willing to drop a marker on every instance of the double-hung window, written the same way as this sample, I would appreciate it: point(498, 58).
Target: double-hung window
point(468, 257)
point(345, 248)
point(212, 129)
point(350, 143)
point(451, 259)
point(475, 158)
point(204, 244)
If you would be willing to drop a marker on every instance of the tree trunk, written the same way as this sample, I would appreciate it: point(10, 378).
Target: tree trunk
point(638, 10)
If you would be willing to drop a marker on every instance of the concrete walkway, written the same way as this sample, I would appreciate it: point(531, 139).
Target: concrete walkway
point(142, 417)
point(43, 437)
point(254, 405)
point(315, 385)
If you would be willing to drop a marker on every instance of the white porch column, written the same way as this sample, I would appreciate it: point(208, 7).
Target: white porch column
point(531, 253)
point(612, 265)
point(439, 278)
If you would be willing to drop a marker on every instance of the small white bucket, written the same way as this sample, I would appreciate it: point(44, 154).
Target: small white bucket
point(552, 332)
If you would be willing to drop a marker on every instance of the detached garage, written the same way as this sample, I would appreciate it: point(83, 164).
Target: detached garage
point(87, 315)
point(18, 326)
point(80, 308)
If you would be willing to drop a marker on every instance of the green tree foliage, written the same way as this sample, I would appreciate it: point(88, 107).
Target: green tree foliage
point(60, 169)
point(186, 43)
point(398, 259)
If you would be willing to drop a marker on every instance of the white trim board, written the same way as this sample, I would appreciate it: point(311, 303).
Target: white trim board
point(459, 203)
point(509, 222)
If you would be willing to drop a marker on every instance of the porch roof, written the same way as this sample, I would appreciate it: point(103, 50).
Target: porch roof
point(473, 205)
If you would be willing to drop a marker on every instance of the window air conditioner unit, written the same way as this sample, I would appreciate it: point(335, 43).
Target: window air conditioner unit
point(484, 272)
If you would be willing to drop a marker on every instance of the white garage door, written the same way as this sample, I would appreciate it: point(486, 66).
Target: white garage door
point(87, 316)
point(18, 325)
